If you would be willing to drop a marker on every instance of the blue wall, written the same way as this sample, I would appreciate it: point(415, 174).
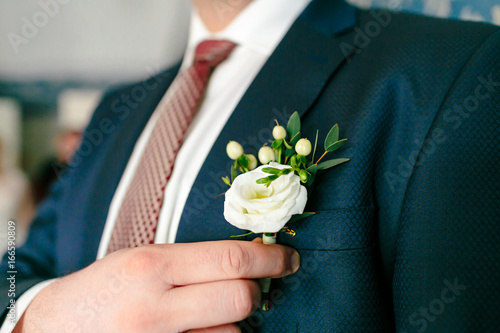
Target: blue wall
point(477, 10)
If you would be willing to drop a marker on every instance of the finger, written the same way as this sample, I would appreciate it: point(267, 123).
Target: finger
point(183, 264)
point(257, 240)
point(211, 304)
point(231, 328)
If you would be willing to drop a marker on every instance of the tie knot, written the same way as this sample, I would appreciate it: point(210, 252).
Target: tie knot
point(213, 51)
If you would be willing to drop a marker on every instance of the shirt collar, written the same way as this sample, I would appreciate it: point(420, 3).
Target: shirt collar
point(259, 27)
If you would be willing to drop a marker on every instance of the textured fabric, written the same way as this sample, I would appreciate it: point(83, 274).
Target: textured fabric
point(400, 230)
point(137, 220)
point(452, 283)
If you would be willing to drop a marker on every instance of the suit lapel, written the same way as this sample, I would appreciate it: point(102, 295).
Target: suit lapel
point(292, 79)
point(110, 157)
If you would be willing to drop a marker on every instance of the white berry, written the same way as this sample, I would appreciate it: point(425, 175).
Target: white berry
point(234, 150)
point(266, 155)
point(303, 147)
point(252, 161)
point(279, 132)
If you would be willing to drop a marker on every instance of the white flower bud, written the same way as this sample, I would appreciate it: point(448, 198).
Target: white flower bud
point(279, 132)
point(266, 155)
point(303, 147)
point(252, 161)
point(234, 150)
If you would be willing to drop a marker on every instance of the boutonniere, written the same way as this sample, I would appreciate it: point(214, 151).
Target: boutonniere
point(267, 198)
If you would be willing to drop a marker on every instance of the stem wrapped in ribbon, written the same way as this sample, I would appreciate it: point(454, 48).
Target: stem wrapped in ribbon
point(265, 283)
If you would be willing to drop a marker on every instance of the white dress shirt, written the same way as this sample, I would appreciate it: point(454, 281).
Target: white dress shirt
point(257, 30)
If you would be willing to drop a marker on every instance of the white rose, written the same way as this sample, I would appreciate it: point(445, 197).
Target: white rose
point(255, 207)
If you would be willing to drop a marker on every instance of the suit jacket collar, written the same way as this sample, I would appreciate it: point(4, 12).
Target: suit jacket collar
point(291, 79)
point(329, 17)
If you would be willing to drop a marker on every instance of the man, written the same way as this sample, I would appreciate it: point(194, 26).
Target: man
point(404, 237)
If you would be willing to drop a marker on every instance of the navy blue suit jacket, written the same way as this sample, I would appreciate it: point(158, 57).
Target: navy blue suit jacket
point(406, 235)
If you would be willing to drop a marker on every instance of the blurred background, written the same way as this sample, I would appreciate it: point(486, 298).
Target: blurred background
point(57, 57)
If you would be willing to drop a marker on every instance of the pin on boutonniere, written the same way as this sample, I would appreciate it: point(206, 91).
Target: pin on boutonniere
point(265, 199)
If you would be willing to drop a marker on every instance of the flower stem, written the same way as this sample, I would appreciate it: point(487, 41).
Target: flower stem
point(321, 158)
point(244, 235)
point(265, 283)
point(269, 238)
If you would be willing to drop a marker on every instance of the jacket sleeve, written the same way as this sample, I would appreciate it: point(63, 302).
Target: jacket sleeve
point(33, 262)
point(447, 269)
point(36, 260)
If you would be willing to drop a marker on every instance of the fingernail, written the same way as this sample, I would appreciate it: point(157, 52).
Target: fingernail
point(295, 261)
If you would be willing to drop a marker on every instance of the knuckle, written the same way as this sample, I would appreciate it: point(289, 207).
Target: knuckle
point(235, 261)
point(244, 298)
point(141, 260)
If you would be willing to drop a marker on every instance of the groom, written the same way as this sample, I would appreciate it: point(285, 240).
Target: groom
point(405, 237)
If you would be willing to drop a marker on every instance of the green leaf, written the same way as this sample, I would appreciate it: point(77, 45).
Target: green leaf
point(331, 163)
point(287, 145)
point(277, 143)
point(295, 139)
point(289, 152)
point(243, 161)
point(234, 171)
point(226, 181)
point(313, 170)
point(299, 217)
point(279, 153)
point(293, 126)
point(336, 145)
point(315, 145)
point(266, 180)
point(332, 137)
point(262, 181)
point(272, 171)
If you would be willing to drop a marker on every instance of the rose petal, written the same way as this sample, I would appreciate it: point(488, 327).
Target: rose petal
point(258, 208)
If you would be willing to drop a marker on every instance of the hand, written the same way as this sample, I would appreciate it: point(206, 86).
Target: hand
point(161, 288)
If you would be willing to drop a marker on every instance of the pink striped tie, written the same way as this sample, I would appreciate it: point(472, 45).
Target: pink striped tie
point(138, 216)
